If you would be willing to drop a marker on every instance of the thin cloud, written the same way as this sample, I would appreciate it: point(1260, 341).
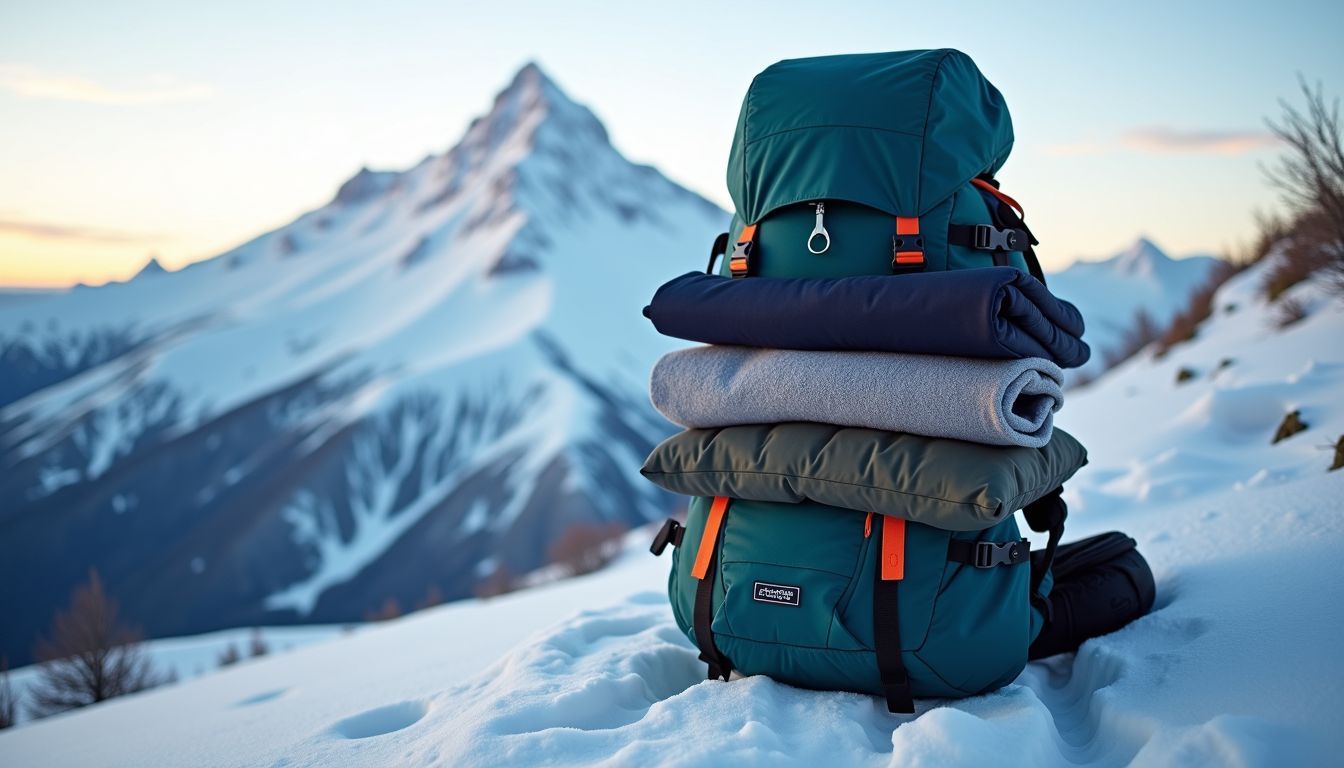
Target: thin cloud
point(32, 83)
point(1075, 149)
point(52, 231)
point(1167, 139)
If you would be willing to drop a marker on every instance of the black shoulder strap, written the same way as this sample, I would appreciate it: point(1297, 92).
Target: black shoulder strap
point(1046, 514)
point(719, 665)
point(1006, 218)
point(887, 640)
point(1010, 219)
point(716, 250)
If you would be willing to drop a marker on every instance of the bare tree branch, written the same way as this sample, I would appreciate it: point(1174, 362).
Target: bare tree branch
point(1311, 177)
point(587, 547)
point(9, 702)
point(91, 655)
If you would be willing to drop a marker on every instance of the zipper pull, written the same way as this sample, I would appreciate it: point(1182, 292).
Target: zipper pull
point(819, 231)
point(868, 525)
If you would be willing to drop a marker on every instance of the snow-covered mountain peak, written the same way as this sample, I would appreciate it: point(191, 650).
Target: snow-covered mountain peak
point(1143, 257)
point(532, 128)
point(530, 109)
point(535, 162)
point(1111, 292)
point(364, 185)
point(152, 267)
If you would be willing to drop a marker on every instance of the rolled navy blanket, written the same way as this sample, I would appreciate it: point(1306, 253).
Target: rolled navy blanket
point(993, 312)
point(994, 402)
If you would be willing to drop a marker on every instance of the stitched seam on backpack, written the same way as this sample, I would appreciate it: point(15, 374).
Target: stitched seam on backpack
point(835, 125)
point(648, 473)
point(924, 135)
point(956, 567)
point(928, 628)
point(746, 120)
point(783, 565)
point(825, 196)
point(941, 679)
point(795, 645)
point(853, 588)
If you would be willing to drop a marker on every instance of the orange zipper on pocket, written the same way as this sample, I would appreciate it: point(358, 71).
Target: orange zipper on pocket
point(842, 605)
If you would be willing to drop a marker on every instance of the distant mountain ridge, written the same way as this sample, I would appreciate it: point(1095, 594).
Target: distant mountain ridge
point(1112, 291)
point(393, 396)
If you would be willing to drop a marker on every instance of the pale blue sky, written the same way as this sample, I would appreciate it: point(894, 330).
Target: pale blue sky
point(182, 129)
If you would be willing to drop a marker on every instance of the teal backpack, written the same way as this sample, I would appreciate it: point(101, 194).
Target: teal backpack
point(872, 164)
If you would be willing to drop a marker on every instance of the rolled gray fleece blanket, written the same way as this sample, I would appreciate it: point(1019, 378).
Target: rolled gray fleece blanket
point(994, 402)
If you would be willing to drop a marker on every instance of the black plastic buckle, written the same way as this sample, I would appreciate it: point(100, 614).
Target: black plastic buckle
point(991, 553)
point(990, 239)
point(738, 262)
point(671, 533)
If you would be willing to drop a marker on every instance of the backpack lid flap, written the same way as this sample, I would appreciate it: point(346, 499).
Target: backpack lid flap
point(899, 132)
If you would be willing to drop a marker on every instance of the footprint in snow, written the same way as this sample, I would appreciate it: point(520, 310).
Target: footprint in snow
point(1068, 686)
point(261, 698)
point(380, 721)
point(604, 670)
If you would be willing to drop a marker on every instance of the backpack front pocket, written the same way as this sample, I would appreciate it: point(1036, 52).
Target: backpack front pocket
point(979, 629)
point(784, 570)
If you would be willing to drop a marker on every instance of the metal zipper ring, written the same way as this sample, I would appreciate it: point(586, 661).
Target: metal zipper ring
point(826, 241)
point(819, 230)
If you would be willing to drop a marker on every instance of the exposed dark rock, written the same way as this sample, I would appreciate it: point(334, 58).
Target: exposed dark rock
point(1292, 424)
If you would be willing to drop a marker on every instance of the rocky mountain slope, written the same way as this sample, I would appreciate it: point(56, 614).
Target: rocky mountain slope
point(395, 395)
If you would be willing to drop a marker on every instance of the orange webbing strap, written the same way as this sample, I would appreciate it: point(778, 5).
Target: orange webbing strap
point(907, 247)
point(893, 548)
point(711, 535)
point(993, 190)
point(740, 261)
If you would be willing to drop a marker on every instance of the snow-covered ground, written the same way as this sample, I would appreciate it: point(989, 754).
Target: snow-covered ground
point(185, 658)
point(1237, 665)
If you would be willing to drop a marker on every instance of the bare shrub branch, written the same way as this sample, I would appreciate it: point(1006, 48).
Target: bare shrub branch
point(229, 656)
point(1310, 175)
point(257, 645)
point(501, 581)
point(1142, 332)
point(1185, 324)
point(90, 656)
point(587, 547)
point(389, 610)
point(9, 701)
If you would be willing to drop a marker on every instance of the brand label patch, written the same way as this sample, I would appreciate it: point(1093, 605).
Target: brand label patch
point(780, 594)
